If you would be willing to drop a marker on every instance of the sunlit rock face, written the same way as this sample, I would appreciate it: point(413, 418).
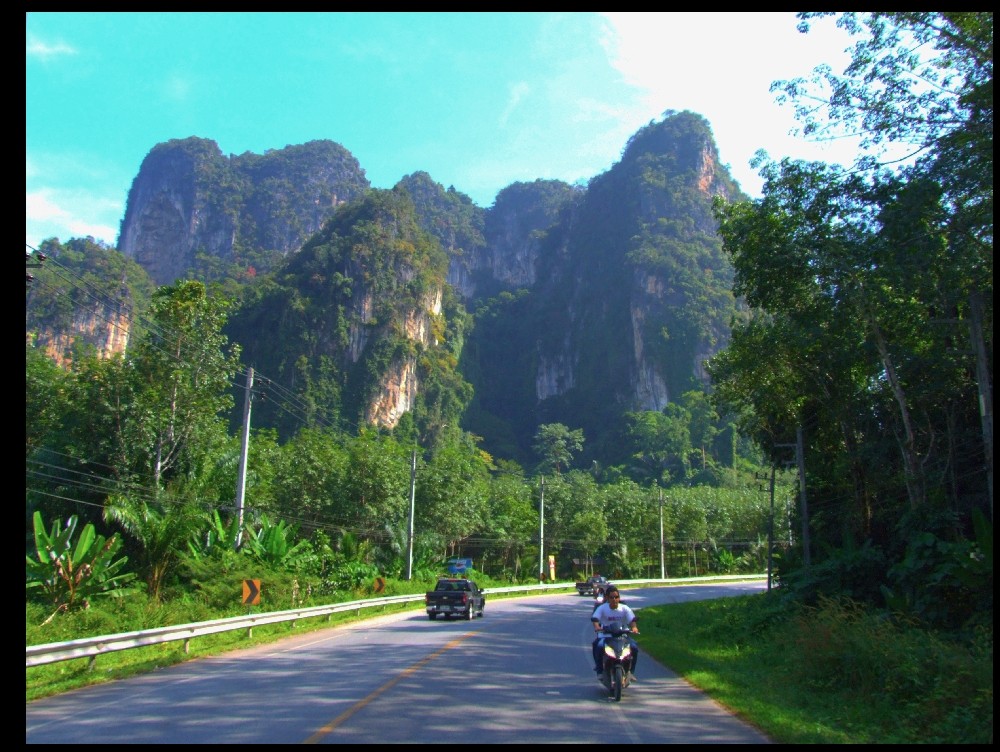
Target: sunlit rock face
point(106, 330)
point(189, 201)
point(401, 383)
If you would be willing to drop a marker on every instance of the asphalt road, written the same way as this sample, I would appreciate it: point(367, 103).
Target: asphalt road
point(520, 675)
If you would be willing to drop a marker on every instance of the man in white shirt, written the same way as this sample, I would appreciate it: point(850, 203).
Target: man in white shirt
point(613, 613)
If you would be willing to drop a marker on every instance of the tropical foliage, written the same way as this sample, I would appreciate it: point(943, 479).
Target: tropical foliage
point(68, 571)
point(870, 294)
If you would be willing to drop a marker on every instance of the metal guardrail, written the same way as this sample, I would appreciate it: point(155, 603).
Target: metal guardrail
point(91, 647)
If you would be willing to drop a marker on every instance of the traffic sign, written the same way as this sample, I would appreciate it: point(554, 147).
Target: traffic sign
point(251, 592)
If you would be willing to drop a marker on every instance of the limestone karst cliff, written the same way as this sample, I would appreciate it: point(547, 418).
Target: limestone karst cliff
point(191, 205)
point(557, 303)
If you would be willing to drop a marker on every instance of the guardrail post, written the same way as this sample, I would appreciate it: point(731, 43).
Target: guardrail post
point(91, 662)
point(187, 646)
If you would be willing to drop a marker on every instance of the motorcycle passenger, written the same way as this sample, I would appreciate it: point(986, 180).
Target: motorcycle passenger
point(598, 596)
point(613, 613)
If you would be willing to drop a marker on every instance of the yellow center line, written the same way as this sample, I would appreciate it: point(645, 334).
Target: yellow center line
point(332, 725)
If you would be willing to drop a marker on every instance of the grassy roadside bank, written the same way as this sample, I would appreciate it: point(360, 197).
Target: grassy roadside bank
point(833, 674)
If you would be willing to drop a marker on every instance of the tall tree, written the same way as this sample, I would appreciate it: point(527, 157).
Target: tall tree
point(375, 489)
point(46, 392)
point(556, 445)
point(310, 470)
point(163, 407)
point(512, 516)
point(182, 370)
point(453, 489)
point(853, 274)
point(704, 421)
point(631, 524)
point(659, 443)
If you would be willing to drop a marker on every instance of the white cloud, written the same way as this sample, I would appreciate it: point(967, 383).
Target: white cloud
point(35, 47)
point(40, 206)
point(69, 194)
point(53, 213)
point(721, 66)
point(106, 233)
point(518, 92)
point(178, 88)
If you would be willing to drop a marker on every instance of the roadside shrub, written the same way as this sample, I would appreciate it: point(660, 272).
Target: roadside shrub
point(853, 572)
point(927, 683)
point(69, 570)
point(947, 583)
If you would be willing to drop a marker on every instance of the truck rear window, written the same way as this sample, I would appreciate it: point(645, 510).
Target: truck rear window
point(449, 585)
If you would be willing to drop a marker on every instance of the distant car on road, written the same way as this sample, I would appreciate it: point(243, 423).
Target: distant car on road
point(592, 585)
point(455, 596)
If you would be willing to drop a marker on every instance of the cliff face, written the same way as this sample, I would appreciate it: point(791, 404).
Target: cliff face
point(106, 330)
point(85, 295)
point(174, 208)
point(629, 290)
point(399, 387)
point(356, 317)
point(516, 224)
point(615, 294)
point(189, 199)
point(495, 249)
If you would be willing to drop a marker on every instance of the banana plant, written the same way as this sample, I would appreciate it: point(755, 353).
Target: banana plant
point(70, 573)
point(274, 543)
point(219, 537)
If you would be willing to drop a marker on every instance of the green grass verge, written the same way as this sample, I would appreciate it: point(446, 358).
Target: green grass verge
point(833, 674)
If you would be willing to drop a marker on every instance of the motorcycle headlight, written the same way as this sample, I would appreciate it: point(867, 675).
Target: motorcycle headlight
point(626, 652)
point(609, 651)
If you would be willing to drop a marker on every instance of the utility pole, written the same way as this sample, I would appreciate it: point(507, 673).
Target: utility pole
point(241, 477)
point(985, 387)
point(801, 463)
point(413, 500)
point(541, 531)
point(800, 458)
point(663, 566)
point(770, 533)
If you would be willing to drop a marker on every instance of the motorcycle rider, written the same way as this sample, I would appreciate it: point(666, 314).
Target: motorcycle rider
point(598, 596)
point(613, 613)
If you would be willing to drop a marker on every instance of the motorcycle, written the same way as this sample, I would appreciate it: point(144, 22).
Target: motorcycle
point(617, 660)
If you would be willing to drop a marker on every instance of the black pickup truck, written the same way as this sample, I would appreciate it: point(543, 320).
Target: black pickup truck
point(455, 596)
point(592, 585)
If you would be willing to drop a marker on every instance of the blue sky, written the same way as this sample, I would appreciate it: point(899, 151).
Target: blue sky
point(476, 100)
